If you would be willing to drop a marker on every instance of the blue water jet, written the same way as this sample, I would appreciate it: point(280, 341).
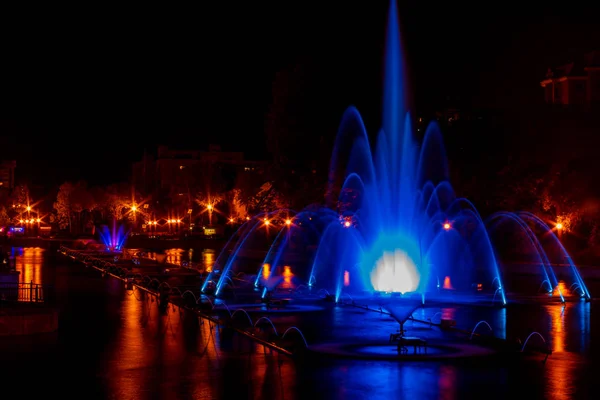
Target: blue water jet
point(113, 238)
point(406, 230)
point(393, 225)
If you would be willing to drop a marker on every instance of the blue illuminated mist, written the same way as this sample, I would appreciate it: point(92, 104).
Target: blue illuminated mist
point(397, 227)
point(403, 229)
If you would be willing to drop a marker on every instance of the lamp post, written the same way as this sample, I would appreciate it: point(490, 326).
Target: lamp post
point(210, 210)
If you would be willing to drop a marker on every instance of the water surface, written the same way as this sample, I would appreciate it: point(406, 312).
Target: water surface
point(115, 344)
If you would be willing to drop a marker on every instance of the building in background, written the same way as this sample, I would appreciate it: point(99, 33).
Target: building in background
point(7, 174)
point(184, 171)
point(575, 83)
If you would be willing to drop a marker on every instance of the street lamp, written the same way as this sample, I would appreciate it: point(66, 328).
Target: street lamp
point(210, 208)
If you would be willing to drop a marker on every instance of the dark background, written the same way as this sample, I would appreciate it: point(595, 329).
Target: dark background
point(85, 91)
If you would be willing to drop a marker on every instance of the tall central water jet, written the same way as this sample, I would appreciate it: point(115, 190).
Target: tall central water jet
point(398, 226)
point(408, 231)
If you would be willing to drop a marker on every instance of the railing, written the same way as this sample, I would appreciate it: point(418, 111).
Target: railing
point(25, 292)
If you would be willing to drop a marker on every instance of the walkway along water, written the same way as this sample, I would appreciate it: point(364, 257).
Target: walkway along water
point(98, 261)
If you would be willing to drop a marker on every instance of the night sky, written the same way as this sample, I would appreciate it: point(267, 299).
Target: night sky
point(83, 96)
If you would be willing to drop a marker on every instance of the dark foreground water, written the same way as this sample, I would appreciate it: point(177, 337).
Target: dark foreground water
point(114, 344)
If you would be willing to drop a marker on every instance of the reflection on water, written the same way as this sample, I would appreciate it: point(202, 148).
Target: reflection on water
point(447, 381)
point(175, 256)
point(448, 313)
point(29, 261)
point(561, 288)
point(141, 352)
point(584, 326)
point(266, 271)
point(498, 323)
point(287, 277)
point(208, 259)
point(557, 326)
point(172, 354)
point(178, 256)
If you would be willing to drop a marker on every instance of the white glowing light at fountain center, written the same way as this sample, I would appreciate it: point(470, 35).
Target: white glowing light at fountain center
point(395, 272)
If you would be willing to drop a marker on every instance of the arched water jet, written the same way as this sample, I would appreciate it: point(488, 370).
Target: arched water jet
point(529, 337)
point(269, 321)
point(191, 293)
point(550, 234)
point(232, 257)
point(351, 127)
point(498, 290)
point(245, 312)
point(533, 240)
point(433, 317)
point(476, 325)
point(293, 328)
point(226, 309)
point(212, 305)
point(546, 281)
point(165, 284)
point(242, 230)
point(347, 295)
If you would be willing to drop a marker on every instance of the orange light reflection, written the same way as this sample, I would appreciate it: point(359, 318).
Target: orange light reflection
point(447, 283)
point(208, 259)
point(266, 271)
point(29, 263)
point(287, 277)
point(557, 321)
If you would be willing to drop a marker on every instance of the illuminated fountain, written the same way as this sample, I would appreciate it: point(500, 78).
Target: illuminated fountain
point(285, 236)
point(113, 238)
point(400, 231)
point(404, 230)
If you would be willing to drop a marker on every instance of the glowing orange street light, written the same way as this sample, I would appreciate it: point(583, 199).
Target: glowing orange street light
point(28, 208)
point(447, 226)
point(288, 222)
point(559, 226)
point(266, 222)
point(209, 207)
point(134, 208)
point(347, 224)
